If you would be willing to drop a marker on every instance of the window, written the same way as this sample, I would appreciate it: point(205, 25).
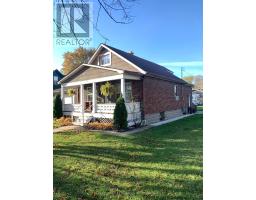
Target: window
point(175, 90)
point(55, 79)
point(105, 59)
point(128, 91)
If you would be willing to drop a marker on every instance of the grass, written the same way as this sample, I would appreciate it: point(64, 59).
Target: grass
point(163, 162)
point(199, 108)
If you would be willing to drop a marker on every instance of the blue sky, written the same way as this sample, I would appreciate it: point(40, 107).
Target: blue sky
point(168, 32)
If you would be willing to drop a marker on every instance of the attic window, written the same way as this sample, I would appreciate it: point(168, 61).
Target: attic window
point(105, 59)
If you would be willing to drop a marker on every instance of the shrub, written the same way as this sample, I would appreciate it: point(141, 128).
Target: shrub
point(120, 114)
point(99, 126)
point(63, 121)
point(57, 107)
point(194, 108)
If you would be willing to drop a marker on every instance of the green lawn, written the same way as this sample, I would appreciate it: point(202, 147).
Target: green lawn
point(164, 162)
point(199, 108)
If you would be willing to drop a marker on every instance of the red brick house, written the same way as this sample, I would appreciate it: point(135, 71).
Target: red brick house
point(151, 92)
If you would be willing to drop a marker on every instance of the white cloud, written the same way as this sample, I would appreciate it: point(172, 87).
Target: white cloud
point(183, 64)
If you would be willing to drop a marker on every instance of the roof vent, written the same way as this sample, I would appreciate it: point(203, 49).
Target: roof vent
point(131, 52)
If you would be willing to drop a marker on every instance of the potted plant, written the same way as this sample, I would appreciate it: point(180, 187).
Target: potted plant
point(107, 89)
point(71, 92)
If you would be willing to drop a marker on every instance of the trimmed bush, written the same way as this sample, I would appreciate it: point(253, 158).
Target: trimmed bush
point(57, 107)
point(120, 114)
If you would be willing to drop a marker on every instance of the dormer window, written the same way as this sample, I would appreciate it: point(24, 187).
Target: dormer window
point(105, 59)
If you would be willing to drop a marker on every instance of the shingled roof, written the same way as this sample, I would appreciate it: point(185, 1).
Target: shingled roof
point(151, 68)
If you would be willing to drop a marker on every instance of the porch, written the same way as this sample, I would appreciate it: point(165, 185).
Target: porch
point(87, 100)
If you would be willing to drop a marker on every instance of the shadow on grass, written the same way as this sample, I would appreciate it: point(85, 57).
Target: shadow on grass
point(161, 163)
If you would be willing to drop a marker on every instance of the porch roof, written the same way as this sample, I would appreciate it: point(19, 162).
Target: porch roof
point(79, 71)
point(86, 73)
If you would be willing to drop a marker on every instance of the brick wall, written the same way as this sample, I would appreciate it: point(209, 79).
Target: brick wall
point(137, 92)
point(158, 96)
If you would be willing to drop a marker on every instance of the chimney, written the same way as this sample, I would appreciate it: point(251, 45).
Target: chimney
point(131, 52)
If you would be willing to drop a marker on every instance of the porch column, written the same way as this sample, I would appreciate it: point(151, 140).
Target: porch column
point(62, 92)
point(82, 102)
point(94, 97)
point(123, 88)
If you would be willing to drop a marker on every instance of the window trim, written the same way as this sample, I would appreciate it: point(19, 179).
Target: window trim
point(103, 54)
point(176, 94)
point(175, 89)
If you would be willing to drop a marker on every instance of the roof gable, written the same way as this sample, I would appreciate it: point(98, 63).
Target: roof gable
point(117, 54)
point(149, 67)
point(142, 65)
point(87, 73)
point(81, 73)
point(116, 61)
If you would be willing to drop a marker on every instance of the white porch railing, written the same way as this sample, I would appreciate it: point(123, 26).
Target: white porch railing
point(104, 111)
point(133, 109)
point(106, 108)
point(72, 107)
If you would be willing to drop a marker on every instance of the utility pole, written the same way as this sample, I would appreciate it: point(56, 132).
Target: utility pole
point(181, 72)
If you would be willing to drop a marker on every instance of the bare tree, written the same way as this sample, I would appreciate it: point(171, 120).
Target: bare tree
point(117, 10)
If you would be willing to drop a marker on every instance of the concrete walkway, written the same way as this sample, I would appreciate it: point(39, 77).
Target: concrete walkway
point(68, 128)
point(171, 120)
point(138, 130)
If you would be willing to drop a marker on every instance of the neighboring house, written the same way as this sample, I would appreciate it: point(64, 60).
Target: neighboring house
point(197, 97)
point(57, 76)
point(151, 92)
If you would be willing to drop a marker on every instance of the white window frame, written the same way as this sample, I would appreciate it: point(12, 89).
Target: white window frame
point(176, 92)
point(110, 60)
